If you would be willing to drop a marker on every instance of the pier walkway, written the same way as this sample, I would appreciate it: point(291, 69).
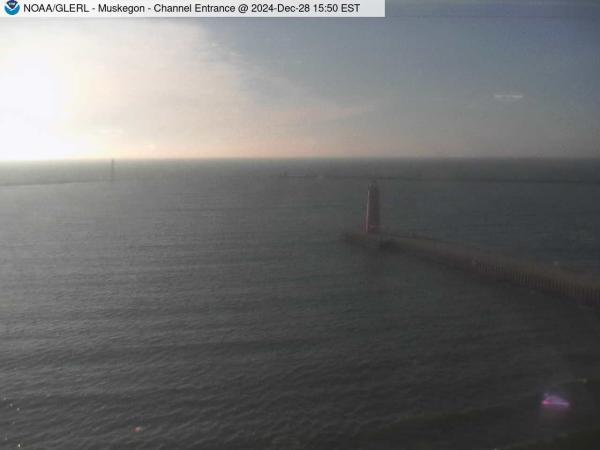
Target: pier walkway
point(542, 277)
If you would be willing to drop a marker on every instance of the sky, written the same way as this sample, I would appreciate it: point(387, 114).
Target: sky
point(433, 79)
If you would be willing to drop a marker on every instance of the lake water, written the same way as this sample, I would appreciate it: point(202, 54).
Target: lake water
point(213, 305)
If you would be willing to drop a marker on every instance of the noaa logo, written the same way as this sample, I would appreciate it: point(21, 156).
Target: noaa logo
point(12, 7)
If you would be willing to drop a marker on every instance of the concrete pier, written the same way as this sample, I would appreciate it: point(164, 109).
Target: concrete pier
point(545, 278)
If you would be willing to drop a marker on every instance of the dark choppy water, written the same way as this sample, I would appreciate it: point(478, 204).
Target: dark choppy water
point(212, 305)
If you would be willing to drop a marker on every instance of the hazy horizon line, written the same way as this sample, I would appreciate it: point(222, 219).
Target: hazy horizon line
point(302, 158)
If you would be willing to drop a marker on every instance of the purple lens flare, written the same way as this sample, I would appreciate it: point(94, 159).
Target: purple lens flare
point(553, 401)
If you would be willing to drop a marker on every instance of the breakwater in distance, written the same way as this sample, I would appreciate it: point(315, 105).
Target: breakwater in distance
point(446, 179)
point(583, 288)
point(527, 171)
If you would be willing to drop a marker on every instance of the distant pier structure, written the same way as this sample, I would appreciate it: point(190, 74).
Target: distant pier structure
point(484, 263)
point(373, 216)
point(112, 170)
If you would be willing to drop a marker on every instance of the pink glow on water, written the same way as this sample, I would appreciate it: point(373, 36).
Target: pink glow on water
point(555, 402)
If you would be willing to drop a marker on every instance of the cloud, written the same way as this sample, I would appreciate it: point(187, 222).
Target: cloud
point(173, 84)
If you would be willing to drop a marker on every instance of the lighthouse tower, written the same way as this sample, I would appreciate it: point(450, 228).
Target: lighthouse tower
point(372, 222)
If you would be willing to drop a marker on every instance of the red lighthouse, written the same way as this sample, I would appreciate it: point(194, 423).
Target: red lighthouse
point(372, 222)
